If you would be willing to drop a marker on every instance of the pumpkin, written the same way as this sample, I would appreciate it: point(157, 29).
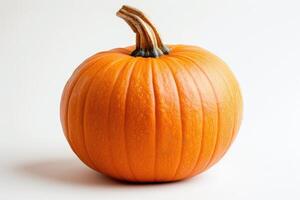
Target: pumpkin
point(151, 112)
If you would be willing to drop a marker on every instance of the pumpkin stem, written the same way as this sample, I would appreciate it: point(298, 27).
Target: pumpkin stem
point(148, 41)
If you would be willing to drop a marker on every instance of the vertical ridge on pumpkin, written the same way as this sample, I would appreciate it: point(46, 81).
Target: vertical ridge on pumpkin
point(168, 127)
point(124, 125)
point(221, 66)
point(66, 97)
point(211, 128)
point(219, 147)
point(218, 132)
point(156, 117)
point(82, 154)
point(83, 120)
point(234, 119)
point(140, 121)
point(125, 131)
point(222, 153)
point(218, 111)
point(238, 105)
point(116, 122)
point(189, 95)
point(87, 156)
point(236, 97)
point(202, 131)
point(80, 70)
point(202, 119)
point(113, 83)
point(103, 69)
point(212, 156)
point(182, 128)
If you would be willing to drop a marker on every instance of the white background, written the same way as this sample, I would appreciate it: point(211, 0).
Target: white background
point(41, 43)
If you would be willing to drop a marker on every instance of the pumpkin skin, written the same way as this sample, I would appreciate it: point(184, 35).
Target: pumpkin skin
point(151, 119)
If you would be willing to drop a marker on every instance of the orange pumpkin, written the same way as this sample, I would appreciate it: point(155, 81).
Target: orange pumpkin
point(152, 112)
